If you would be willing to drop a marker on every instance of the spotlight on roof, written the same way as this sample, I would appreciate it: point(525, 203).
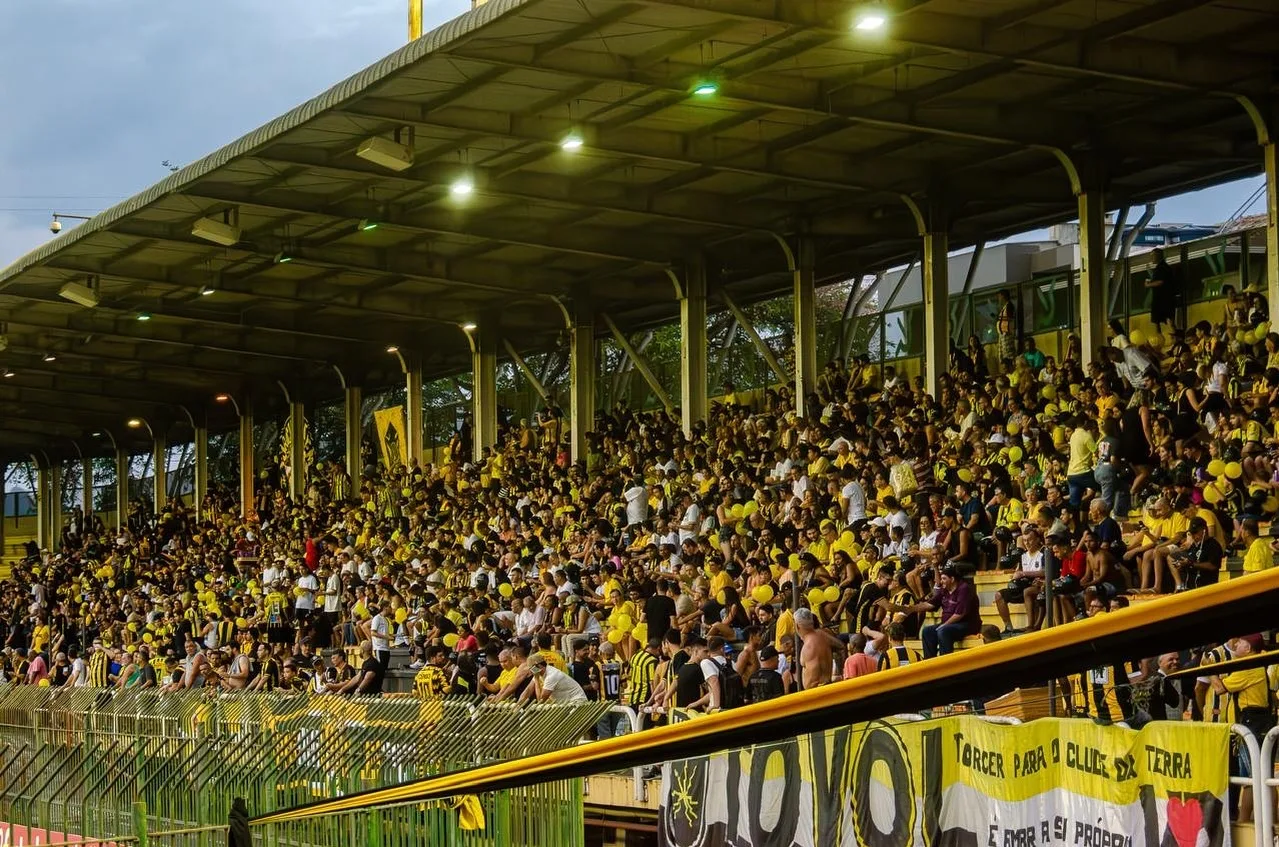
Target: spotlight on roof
point(367, 225)
point(223, 398)
point(134, 423)
point(469, 326)
point(462, 187)
point(144, 316)
point(216, 231)
point(870, 18)
point(80, 294)
point(706, 88)
point(49, 357)
point(207, 291)
point(386, 153)
point(283, 258)
point(572, 142)
point(392, 349)
point(8, 374)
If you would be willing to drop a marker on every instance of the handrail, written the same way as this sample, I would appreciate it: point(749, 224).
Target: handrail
point(1263, 773)
point(1258, 783)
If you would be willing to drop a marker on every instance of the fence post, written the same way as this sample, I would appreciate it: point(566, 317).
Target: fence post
point(140, 822)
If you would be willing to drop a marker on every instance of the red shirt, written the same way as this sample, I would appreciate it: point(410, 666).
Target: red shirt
point(858, 664)
point(1076, 564)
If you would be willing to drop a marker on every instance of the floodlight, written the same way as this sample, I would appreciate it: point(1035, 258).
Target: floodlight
point(216, 231)
point(79, 294)
point(386, 153)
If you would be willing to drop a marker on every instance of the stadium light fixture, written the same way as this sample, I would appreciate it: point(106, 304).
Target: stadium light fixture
point(572, 142)
point(283, 258)
point(870, 18)
point(80, 294)
point(207, 291)
point(386, 153)
point(134, 423)
point(223, 398)
point(392, 349)
point(217, 232)
point(8, 374)
point(50, 357)
point(462, 187)
point(144, 316)
point(469, 326)
point(706, 88)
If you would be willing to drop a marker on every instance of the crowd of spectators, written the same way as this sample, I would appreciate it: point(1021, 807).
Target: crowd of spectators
point(762, 553)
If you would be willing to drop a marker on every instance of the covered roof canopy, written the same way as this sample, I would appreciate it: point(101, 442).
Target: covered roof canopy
point(966, 108)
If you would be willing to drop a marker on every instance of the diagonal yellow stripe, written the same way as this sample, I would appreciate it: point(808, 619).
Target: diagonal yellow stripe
point(1235, 603)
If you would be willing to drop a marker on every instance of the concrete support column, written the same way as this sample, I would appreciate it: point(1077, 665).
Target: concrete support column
point(297, 450)
point(692, 359)
point(200, 471)
point(353, 421)
point(160, 473)
point(55, 505)
point(4, 469)
point(44, 506)
point(86, 486)
point(121, 488)
point(582, 381)
point(414, 415)
point(936, 266)
point(805, 294)
point(246, 458)
point(484, 340)
point(1271, 155)
point(1092, 273)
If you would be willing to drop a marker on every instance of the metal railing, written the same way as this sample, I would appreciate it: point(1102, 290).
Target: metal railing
point(117, 765)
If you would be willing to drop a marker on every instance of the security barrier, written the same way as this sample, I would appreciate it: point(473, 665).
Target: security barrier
point(117, 765)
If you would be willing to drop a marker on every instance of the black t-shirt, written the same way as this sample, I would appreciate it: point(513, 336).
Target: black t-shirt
point(1210, 553)
point(586, 674)
point(688, 684)
point(373, 666)
point(866, 599)
point(765, 684)
point(659, 611)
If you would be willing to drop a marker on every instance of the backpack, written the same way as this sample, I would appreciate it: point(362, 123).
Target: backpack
point(732, 690)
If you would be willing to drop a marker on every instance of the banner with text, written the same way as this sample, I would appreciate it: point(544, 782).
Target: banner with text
point(958, 782)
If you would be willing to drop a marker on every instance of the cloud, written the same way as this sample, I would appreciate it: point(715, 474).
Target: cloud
point(138, 83)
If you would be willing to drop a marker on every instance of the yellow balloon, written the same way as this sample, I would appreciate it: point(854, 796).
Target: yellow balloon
point(241, 623)
point(815, 597)
point(965, 475)
point(1156, 341)
point(148, 637)
point(831, 594)
point(1216, 467)
point(624, 622)
point(299, 591)
point(132, 627)
point(1250, 338)
point(1014, 454)
point(1137, 337)
point(640, 632)
point(505, 589)
point(1048, 392)
point(762, 593)
point(1212, 494)
point(401, 615)
point(793, 561)
point(199, 586)
point(750, 508)
point(736, 511)
point(1262, 329)
point(451, 640)
point(615, 636)
point(44, 683)
point(1234, 470)
point(1271, 504)
point(776, 570)
point(1012, 429)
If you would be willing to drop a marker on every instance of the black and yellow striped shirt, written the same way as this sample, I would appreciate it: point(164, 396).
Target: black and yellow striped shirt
point(99, 669)
point(1102, 694)
point(640, 685)
point(897, 657)
point(1215, 705)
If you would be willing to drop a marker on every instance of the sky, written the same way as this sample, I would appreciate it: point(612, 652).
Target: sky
point(96, 94)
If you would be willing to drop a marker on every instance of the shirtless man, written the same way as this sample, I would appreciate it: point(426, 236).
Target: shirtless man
point(815, 657)
point(1103, 578)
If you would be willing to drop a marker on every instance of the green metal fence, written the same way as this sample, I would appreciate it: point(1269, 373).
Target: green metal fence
point(118, 765)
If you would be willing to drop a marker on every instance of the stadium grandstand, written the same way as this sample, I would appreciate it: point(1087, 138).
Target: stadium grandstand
point(655, 373)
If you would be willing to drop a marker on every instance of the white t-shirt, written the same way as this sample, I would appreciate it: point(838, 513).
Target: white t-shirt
point(1032, 563)
point(636, 504)
point(381, 629)
point(856, 498)
point(333, 600)
point(689, 525)
point(562, 687)
point(309, 585)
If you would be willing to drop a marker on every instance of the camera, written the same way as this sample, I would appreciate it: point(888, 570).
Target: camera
point(55, 226)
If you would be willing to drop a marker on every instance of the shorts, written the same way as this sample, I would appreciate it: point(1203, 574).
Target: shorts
point(1066, 585)
point(1016, 590)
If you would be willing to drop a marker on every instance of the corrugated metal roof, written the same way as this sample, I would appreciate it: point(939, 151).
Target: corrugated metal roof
point(435, 41)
